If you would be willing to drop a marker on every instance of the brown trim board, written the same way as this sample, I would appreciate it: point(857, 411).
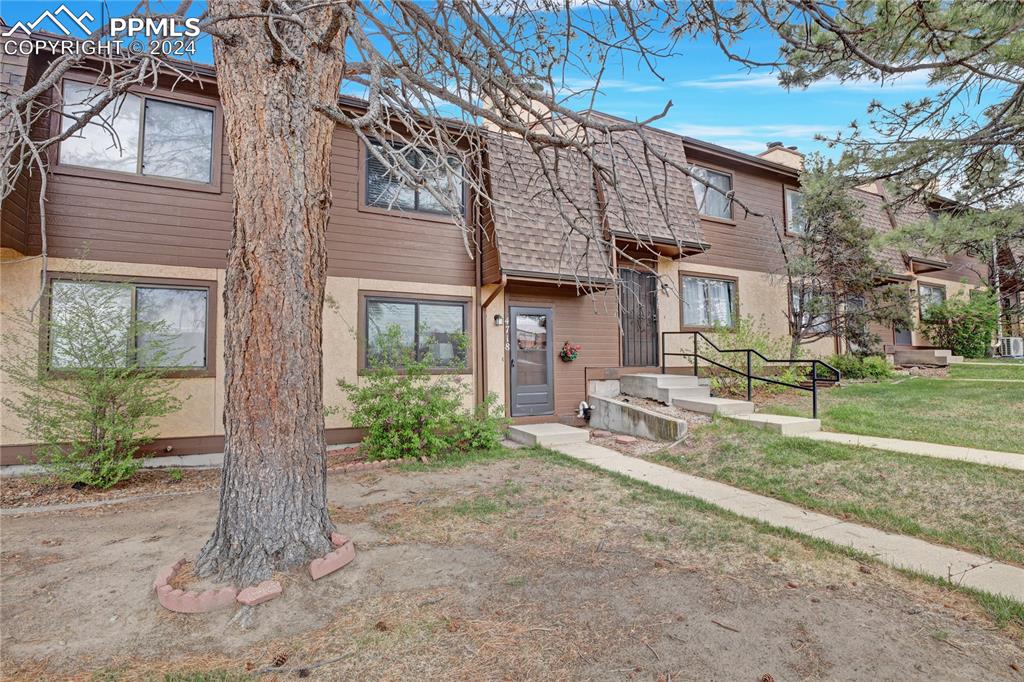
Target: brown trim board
point(175, 447)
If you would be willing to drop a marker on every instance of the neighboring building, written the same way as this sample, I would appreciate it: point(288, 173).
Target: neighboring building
point(159, 216)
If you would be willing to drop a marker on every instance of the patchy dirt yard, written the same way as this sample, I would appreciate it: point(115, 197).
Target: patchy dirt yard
point(516, 569)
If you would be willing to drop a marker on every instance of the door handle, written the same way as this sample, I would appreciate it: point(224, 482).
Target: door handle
point(512, 362)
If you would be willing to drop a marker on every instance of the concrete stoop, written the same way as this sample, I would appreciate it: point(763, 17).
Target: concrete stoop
point(713, 406)
point(615, 414)
point(664, 387)
point(780, 423)
point(547, 435)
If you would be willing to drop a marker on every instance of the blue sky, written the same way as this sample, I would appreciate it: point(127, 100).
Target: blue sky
point(713, 98)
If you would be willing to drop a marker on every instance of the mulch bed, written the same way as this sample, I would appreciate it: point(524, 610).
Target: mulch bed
point(40, 489)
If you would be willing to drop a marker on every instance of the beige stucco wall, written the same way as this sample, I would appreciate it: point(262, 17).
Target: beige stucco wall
point(763, 296)
point(496, 346)
point(953, 289)
point(203, 398)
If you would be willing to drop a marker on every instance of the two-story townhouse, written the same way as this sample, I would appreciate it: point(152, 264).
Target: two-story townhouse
point(157, 214)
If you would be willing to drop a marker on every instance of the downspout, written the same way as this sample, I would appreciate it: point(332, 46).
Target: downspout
point(999, 288)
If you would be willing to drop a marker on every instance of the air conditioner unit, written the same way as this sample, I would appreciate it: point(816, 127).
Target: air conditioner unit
point(1011, 346)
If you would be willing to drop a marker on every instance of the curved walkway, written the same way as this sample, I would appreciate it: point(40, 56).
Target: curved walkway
point(938, 561)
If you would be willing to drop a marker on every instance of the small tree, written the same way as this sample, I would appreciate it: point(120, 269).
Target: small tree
point(836, 284)
point(92, 392)
point(408, 412)
point(963, 324)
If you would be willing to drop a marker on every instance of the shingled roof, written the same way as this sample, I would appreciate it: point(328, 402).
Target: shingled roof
point(646, 198)
point(876, 216)
point(641, 199)
point(538, 234)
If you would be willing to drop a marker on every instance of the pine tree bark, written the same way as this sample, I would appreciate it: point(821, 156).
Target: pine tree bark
point(273, 500)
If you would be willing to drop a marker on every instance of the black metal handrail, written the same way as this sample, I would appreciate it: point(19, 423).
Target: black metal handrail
point(749, 375)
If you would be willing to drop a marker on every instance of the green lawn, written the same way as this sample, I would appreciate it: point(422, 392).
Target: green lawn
point(986, 371)
point(974, 507)
point(1018, 361)
point(984, 415)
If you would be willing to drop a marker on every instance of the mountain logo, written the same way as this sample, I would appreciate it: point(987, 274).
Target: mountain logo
point(52, 17)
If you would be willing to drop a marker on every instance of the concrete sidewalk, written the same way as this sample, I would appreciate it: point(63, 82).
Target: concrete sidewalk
point(1008, 460)
point(962, 568)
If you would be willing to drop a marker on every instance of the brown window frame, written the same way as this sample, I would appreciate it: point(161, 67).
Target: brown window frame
point(136, 177)
point(364, 187)
point(920, 298)
point(210, 370)
point(683, 274)
point(731, 218)
point(403, 297)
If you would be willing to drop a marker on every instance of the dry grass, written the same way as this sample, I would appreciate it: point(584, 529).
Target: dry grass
point(590, 579)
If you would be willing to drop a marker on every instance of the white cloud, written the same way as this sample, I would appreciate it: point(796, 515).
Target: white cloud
point(753, 139)
point(606, 84)
point(917, 80)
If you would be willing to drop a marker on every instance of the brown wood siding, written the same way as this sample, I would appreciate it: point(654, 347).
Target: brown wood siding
point(14, 76)
point(745, 242)
point(961, 268)
point(587, 320)
point(135, 222)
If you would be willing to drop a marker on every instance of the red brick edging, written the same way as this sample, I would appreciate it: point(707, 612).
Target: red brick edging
point(183, 601)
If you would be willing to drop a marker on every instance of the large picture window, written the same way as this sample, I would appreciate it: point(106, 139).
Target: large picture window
point(432, 331)
point(711, 197)
point(708, 302)
point(139, 134)
point(440, 178)
point(930, 295)
point(129, 319)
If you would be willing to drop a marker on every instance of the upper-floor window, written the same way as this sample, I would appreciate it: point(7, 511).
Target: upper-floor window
point(928, 296)
point(440, 190)
point(708, 302)
point(796, 223)
point(151, 325)
point(432, 331)
point(139, 134)
point(711, 197)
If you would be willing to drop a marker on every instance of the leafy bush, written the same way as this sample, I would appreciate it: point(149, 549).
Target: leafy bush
point(963, 324)
point(857, 367)
point(408, 412)
point(750, 333)
point(93, 413)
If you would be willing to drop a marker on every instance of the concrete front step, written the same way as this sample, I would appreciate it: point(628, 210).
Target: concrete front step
point(722, 406)
point(780, 423)
point(664, 387)
point(956, 359)
point(616, 414)
point(547, 435)
point(934, 357)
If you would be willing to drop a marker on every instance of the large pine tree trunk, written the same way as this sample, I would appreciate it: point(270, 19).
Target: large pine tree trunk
point(273, 502)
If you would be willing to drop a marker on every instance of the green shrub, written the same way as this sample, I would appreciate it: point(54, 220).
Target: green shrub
point(963, 324)
point(749, 333)
point(406, 411)
point(857, 367)
point(877, 367)
point(92, 416)
point(175, 474)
